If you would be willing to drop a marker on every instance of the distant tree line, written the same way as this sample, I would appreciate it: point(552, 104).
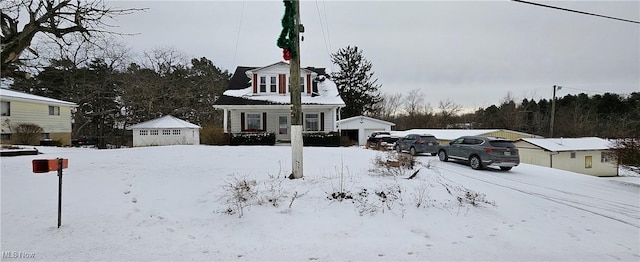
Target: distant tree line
point(606, 115)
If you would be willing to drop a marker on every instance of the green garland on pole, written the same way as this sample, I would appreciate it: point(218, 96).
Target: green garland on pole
point(287, 36)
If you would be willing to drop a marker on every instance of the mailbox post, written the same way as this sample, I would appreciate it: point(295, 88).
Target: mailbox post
point(47, 165)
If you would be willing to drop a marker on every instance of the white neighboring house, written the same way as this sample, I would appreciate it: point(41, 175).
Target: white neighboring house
point(166, 130)
point(359, 128)
point(52, 115)
point(586, 155)
point(258, 100)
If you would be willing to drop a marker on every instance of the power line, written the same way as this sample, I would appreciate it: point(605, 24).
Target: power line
point(326, 46)
point(576, 11)
point(584, 90)
point(326, 23)
point(238, 36)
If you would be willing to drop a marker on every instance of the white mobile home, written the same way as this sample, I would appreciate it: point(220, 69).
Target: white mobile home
point(586, 155)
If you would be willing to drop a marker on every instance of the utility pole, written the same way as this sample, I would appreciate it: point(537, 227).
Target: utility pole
point(553, 110)
point(296, 99)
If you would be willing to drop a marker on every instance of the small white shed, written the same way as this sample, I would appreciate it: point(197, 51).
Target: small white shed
point(359, 128)
point(166, 130)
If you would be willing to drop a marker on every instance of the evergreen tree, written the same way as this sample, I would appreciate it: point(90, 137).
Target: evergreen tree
point(355, 82)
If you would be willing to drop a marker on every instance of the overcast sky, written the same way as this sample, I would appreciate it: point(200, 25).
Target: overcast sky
point(471, 52)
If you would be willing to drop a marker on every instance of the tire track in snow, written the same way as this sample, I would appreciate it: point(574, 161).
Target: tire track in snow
point(590, 204)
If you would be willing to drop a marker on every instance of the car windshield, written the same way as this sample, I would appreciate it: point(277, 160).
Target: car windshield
point(502, 143)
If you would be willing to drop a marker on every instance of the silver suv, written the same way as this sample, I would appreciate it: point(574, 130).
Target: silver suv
point(481, 152)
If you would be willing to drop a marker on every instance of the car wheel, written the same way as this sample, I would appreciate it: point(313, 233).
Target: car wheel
point(443, 156)
point(505, 168)
point(412, 150)
point(475, 162)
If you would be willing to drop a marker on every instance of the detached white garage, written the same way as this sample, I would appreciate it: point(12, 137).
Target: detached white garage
point(359, 128)
point(166, 130)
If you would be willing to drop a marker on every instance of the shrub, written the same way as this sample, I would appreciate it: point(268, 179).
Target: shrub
point(392, 163)
point(267, 139)
point(239, 193)
point(213, 135)
point(627, 152)
point(321, 139)
point(26, 134)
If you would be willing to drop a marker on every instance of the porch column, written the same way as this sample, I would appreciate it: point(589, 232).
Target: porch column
point(334, 117)
point(224, 122)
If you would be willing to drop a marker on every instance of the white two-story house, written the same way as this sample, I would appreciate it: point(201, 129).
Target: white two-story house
point(257, 100)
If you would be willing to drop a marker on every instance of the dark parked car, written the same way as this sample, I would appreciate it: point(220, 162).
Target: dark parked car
point(387, 142)
point(481, 152)
point(381, 140)
point(417, 144)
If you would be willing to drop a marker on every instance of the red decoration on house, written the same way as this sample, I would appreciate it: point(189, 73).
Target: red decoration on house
point(286, 54)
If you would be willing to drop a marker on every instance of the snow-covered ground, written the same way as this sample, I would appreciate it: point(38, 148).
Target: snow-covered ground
point(171, 204)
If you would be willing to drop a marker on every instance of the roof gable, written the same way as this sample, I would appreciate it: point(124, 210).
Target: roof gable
point(167, 121)
point(276, 67)
point(359, 118)
point(570, 144)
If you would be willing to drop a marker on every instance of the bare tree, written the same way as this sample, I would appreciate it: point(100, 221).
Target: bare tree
point(55, 18)
point(414, 102)
point(389, 105)
point(164, 59)
point(447, 112)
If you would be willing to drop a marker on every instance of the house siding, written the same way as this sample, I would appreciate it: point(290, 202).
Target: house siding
point(276, 70)
point(533, 155)
point(508, 134)
point(272, 118)
point(57, 126)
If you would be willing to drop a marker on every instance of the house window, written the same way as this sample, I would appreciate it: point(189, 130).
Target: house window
point(263, 84)
point(176, 132)
point(166, 132)
point(588, 162)
point(312, 122)
point(254, 121)
point(274, 84)
point(144, 132)
point(573, 154)
point(605, 157)
point(5, 108)
point(5, 137)
point(54, 110)
point(301, 85)
point(153, 132)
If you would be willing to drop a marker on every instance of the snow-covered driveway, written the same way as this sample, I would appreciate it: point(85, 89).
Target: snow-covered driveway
point(610, 199)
